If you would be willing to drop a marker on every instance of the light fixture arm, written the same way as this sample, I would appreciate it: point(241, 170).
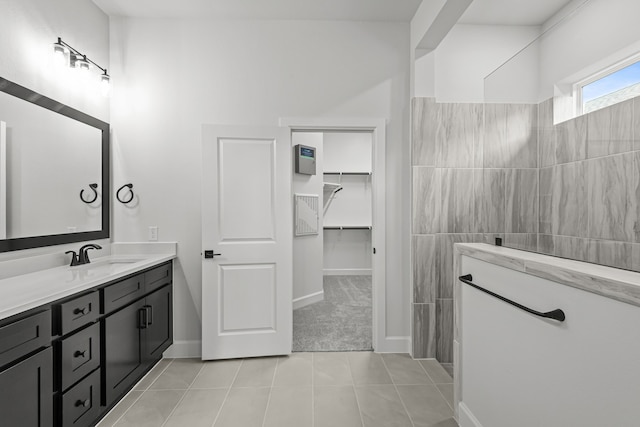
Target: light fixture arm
point(77, 52)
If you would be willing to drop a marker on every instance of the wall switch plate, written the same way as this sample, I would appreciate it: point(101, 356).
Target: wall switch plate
point(153, 233)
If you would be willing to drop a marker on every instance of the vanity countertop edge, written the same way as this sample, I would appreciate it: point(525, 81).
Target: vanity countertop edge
point(28, 291)
point(614, 283)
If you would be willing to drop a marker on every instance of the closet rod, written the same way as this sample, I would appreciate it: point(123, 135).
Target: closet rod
point(346, 227)
point(347, 173)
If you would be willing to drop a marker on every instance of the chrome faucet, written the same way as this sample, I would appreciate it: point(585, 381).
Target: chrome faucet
point(82, 257)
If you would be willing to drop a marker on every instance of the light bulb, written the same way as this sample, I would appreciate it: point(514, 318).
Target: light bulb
point(105, 84)
point(60, 54)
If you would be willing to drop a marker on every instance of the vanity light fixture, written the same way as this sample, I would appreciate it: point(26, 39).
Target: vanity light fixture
point(79, 61)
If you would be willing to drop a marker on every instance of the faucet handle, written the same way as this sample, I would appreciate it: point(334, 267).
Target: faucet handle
point(75, 259)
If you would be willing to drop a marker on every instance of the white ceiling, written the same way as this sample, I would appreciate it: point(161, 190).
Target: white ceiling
point(347, 10)
point(511, 12)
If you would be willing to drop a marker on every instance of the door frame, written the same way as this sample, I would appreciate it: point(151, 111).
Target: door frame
point(377, 127)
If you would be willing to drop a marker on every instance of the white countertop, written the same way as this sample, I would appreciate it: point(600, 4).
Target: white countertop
point(621, 285)
point(27, 291)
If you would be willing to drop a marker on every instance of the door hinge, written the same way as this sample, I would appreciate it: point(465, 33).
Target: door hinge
point(374, 251)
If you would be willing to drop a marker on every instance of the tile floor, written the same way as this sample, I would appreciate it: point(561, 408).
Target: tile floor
point(360, 389)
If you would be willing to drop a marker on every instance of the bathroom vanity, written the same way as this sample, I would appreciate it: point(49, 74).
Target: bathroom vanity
point(570, 361)
point(75, 340)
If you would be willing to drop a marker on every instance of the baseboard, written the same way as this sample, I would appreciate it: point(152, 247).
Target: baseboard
point(308, 299)
point(184, 350)
point(466, 418)
point(346, 272)
point(393, 345)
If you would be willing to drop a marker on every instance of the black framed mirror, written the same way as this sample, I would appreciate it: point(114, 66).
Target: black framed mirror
point(54, 172)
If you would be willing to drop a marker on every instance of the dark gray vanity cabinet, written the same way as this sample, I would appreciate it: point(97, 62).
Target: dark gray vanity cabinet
point(68, 362)
point(26, 371)
point(136, 333)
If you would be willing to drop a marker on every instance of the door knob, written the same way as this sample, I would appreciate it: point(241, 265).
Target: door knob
point(210, 254)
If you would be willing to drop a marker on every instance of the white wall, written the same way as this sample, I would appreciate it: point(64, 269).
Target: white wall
point(171, 76)
point(307, 250)
point(466, 56)
point(597, 31)
point(28, 28)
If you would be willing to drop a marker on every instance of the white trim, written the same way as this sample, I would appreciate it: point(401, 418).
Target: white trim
point(378, 240)
point(467, 419)
point(184, 349)
point(308, 299)
point(3, 180)
point(347, 272)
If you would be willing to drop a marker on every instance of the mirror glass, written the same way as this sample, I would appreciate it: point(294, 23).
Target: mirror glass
point(53, 172)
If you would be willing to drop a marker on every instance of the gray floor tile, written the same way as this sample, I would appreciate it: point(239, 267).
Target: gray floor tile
point(118, 411)
point(290, 407)
point(425, 405)
point(217, 374)
point(380, 406)
point(331, 369)
point(437, 373)
point(256, 372)
point(336, 406)
point(244, 407)
point(178, 375)
point(198, 408)
point(368, 368)
point(405, 370)
point(294, 370)
point(152, 409)
point(447, 392)
point(153, 374)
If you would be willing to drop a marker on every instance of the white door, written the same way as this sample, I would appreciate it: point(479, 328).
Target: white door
point(247, 220)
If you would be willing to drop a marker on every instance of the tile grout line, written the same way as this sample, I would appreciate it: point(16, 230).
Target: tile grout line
point(139, 397)
point(226, 396)
point(353, 387)
point(183, 395)
point(273, 381)
point(395, 387)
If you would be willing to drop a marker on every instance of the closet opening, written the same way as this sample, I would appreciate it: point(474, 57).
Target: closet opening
point(334, 265)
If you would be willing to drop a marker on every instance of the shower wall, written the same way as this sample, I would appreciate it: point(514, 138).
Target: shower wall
point(482, 171)
point(590, 186)
point(475, 177)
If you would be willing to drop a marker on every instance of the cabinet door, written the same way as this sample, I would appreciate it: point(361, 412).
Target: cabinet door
point(159, 320)
point(26, 392)
point(123, 361)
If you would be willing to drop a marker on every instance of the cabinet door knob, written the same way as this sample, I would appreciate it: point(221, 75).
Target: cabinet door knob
point(82, 310)
point(79, 353)
point(83, 403)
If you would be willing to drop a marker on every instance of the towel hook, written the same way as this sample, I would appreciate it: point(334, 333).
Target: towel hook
point(95, 194)
point(131, 195)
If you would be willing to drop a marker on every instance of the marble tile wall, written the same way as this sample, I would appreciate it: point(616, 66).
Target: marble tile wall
point(590, 185)
point(475, 177)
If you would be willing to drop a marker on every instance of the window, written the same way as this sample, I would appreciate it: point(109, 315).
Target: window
point(609, 87)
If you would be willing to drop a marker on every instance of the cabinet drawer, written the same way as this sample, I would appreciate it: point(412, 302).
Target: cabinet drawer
point(158, 277)
point(79, 312)
point(81, 404)
point(79, 355)
point(119, 294)
point(24, 336)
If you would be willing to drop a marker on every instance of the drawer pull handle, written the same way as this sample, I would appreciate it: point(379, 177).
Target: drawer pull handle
point(79, 353)
point(83, 403)
point(82, 310)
